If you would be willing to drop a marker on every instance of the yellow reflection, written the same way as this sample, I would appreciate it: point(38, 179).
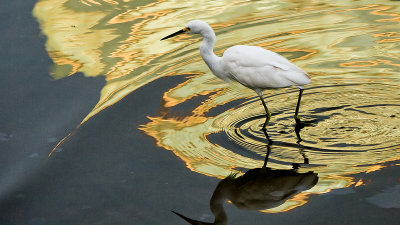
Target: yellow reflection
point(296, 201)
point(350, 48)
point(374, 168)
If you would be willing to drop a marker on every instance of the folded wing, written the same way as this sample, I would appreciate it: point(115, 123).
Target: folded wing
point(258, 68)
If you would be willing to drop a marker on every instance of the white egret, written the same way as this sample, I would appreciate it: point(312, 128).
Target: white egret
point(252, 66)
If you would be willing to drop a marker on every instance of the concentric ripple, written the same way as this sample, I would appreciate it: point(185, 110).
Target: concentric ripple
point(356, 124)
point(350, 128)
point(349, 125)
point(350, 48)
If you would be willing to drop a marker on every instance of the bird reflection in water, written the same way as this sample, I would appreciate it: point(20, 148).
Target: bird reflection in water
point(258, 189)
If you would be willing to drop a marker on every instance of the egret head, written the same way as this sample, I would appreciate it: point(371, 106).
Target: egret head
point(196, 27)
point(193, 27)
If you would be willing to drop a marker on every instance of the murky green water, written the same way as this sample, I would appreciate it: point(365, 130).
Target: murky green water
point(350, 49)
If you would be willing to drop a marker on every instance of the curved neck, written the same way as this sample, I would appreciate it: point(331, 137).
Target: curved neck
point(206, 47)
point(206, 50)
point(216, 205)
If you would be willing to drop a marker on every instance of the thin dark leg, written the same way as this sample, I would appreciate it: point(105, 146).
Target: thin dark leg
point(267, 156)
point(305, 158)
point(296, 114)
point(267, 118)
point(299, 124)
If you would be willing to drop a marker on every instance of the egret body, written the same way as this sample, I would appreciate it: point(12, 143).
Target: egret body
point(252, 66)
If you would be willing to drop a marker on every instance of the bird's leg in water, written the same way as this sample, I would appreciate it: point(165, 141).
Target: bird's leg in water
point(266, 157)
point(296, 114)
point(267, 118)
point(299, 124)
point(305, 158)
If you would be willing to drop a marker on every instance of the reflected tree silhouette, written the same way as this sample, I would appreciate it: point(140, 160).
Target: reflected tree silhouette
point(258, 189)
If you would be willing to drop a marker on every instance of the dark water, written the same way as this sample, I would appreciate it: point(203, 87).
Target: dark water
point(116, 169)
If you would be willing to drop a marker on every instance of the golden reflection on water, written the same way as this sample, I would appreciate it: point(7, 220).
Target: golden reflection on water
point(350, 49)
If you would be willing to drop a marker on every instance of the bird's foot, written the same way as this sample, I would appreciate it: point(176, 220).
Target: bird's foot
point(297, 119)
point(300, 125)
point(295, 166)
point(306, 160)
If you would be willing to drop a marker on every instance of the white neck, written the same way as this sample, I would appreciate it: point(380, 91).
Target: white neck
point(207, 53)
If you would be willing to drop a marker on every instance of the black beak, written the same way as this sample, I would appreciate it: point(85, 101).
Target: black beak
point(174, 34)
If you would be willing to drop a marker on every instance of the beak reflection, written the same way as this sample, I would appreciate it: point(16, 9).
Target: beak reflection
point(259, 188)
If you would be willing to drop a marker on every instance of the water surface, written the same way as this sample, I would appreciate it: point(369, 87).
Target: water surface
point(350, 49)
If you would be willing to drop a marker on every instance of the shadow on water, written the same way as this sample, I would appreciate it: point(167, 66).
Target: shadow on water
point(258, 189)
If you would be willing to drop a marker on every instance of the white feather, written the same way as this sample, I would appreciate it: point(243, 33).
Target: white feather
point(252, 66)
point(258, 68)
